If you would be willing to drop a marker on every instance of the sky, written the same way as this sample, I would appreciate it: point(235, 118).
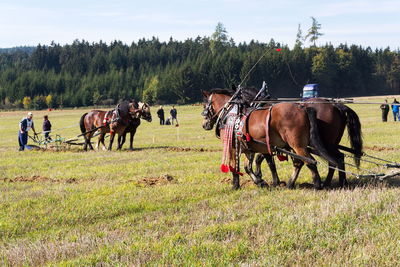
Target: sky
point(30, 22)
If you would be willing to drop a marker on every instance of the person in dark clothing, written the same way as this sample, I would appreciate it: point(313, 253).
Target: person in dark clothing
point(160, 114)
point(385, 110)
point(24, 126)
point(46, 128)
point(174, 114)
point(395, 109)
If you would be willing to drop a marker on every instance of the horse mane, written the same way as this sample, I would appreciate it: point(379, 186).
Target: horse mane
point(248, 93)
point(123, 108)
point(226, 91)
point(134, 103)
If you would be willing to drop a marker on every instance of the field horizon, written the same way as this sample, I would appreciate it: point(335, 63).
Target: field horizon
point(167, 203)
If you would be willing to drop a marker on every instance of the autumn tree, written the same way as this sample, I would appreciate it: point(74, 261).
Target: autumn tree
point(313, 32)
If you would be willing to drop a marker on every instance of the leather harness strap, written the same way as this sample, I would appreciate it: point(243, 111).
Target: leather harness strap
point(267, 123)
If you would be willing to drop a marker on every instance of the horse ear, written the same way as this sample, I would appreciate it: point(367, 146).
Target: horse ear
point(205, 94)
point(233, 87)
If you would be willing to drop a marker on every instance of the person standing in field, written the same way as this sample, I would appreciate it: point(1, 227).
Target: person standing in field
point(160, 114)
point(24, 126)
point(46, 128)
point(385, 110)
point(395, 109)
point(174, 115)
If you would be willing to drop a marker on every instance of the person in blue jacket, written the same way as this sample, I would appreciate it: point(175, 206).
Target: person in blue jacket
point(395, 109)
point(24, 126)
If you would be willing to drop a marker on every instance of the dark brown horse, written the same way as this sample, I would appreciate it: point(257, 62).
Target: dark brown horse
point(285, 125)
point(144, 113)
point(113, 122)
point(332, 119)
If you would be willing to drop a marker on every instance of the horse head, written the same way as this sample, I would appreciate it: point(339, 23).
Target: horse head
point(213, 105)
point(144, 110)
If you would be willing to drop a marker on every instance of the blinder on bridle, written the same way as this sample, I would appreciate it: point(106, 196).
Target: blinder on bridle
point(210, 115)
point(208, 110)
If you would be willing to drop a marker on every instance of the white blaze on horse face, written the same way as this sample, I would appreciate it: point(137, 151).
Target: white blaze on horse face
point(210, 99)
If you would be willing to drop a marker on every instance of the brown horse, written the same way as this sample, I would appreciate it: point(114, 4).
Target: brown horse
point(144, 113)
point(113, 122)
point(285, 125)
point(332, 119)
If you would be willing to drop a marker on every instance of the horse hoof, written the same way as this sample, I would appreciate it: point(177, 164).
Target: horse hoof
point(262, 184)
point(282, 184)
point(327, 186)
point(307, 186)
point(235, 187)
point(131, 149)
point(290, 186)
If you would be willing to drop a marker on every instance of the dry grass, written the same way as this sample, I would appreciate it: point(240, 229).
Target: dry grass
point(167, 204)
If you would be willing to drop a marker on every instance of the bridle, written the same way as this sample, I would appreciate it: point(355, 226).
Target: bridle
point(209, 113)
point(142, 113)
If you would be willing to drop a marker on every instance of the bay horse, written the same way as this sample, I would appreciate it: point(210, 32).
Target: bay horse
point(332, 119)
point(145, 114)
point(114, 122)
point(285, 125)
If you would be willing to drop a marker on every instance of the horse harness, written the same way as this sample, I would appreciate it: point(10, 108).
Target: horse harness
point(234, 119)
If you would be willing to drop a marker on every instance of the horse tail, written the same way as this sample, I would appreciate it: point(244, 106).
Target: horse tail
point(82, 123)
point(354, 131)
point(315, 139)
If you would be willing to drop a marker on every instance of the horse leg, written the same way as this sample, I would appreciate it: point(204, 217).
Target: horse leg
point(235, 181)
point(297, 164)
point(259, 159)
point(89, 138)
point(99, 141)
point(342, 174)
point(112, 135)
point(315, 175)
point(85, 146)
point(272, 167)
point(119, 142)
point(103, 141)
point(235, 175)
point(331, 171)
point(248, 167)
point(131, 140)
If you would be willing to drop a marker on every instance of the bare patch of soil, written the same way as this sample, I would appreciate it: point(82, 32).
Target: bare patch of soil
point(38, 179)
point(244, 182)
point(153, 181)
point(188, 149)
point(379, 148)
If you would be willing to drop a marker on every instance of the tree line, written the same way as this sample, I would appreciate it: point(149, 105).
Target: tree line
point(83, 73)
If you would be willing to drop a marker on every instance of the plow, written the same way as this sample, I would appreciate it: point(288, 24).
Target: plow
point(58, 142)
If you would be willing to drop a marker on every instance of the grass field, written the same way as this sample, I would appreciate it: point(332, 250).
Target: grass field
point(166, 203)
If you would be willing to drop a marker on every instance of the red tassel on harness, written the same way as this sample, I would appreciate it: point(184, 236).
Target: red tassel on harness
point(224, 168)
point(234, 171)
point(281, 157)
point(248, 138)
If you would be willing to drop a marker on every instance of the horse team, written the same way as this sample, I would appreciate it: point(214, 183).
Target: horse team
point(315, 126)
point(125, 118)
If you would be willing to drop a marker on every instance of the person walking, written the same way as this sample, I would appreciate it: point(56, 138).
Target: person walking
point(395, 109)
point(160, 114)
point(46, 128)
point(385, 110)
point(24, 126)
point(174, 115)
